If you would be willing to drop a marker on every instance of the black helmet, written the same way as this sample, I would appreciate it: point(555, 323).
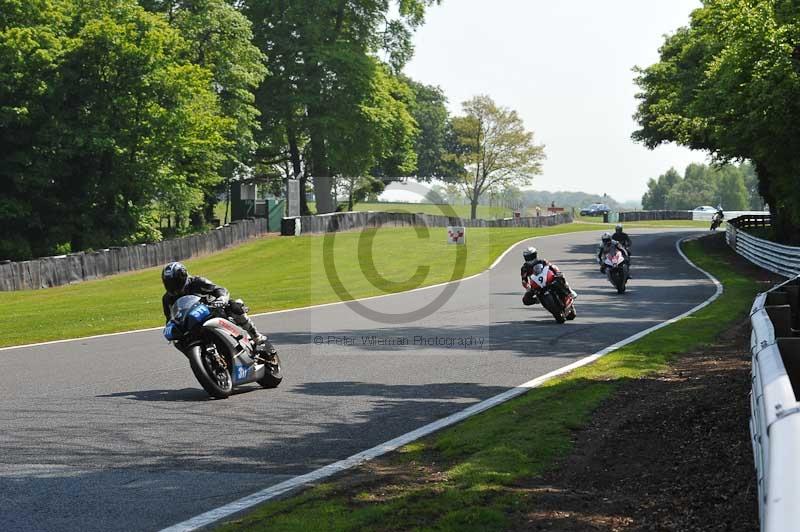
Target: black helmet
point(618, 228)
point(174, 277)
point(606, 238)
point(530, 254)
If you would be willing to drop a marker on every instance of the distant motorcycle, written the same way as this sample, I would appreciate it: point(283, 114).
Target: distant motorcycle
point(553, 298)
point(616, 268)
point(716, 221)
point(221, 355)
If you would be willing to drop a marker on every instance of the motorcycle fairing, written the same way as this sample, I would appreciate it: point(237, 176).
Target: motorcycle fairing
point(544, 277)
point(614, 259)
point(239, 346)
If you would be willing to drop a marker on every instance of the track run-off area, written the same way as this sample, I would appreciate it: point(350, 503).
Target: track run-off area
point(114, 433)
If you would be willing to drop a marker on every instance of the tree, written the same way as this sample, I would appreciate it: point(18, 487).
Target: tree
point(732, 192)
point(657, 190)
point(754, 200)
point(321, 55)
point(429, 110)
point(728, 84)
point(115, 119)
point(496, 150)
point(31, 47)
point(221, 40)
point(700, 185)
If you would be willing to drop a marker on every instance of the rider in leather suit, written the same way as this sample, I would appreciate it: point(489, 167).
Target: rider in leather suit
point(531, 256)
point(606, 247)
point(622, 237)
point(178, 282)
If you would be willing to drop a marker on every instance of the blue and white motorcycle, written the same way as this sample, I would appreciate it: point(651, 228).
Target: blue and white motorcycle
point(221, 354)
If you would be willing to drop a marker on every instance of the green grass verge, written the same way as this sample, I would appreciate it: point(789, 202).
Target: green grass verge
point(473, 473)
point(269, 274)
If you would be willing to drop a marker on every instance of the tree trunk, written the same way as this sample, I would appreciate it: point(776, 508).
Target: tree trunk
point(304, 210)
point(474, 208)
point(294, 151)
point(322, 179)
point(227, 201)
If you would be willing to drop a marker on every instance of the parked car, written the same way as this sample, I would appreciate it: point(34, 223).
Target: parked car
point(705, 208)
point(596, 209)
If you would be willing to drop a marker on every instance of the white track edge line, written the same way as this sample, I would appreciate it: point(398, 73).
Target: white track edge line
point(310, 307)
point(329, 470)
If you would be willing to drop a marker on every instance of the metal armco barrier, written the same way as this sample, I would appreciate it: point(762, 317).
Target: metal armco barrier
point(76, 267)
point(647, 216)
point(775, 412)
point(777, 258)
point(346, 221)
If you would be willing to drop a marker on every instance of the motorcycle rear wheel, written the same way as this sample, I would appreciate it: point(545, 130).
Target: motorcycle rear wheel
point(553, 306)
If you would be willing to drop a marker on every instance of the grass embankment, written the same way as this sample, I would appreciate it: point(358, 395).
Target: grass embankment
point(269, 274)
point(471, 476)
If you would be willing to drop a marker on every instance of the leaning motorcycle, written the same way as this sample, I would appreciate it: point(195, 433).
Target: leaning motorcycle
point(221, 354)
point(716, 221)
point(616, 269)
point(553, 298)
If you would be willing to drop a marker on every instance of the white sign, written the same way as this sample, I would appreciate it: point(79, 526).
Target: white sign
point(456, 235)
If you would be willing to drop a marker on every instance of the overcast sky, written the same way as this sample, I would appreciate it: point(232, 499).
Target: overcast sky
point(565, 66)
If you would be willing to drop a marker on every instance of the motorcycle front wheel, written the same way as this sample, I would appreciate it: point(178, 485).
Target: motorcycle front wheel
point(213, 377)
point(550, 303)
point(618, 280)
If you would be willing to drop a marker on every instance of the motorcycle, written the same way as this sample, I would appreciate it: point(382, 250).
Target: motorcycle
point(616, 268)
point(221, 355)
point(543, 283)
point(716, 221)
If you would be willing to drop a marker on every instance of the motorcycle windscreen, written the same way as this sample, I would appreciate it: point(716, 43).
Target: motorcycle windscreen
point(181, 308)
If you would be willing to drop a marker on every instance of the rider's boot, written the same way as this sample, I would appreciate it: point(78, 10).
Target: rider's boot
point(263, 347)
point(572, 293)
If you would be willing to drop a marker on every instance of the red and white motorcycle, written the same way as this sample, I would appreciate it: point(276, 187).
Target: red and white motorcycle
point(551, 293)
point(616, 267)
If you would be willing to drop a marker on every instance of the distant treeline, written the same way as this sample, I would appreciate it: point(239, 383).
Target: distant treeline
point(578, 200)
point(514, 198)
point(734, 187)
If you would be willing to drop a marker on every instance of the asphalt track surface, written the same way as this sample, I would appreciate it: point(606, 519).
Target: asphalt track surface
point(114, 433)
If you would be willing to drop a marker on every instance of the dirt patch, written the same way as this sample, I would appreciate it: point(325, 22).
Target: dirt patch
point(667, 452)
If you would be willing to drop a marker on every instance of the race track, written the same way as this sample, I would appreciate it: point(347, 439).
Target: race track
point(114, 433)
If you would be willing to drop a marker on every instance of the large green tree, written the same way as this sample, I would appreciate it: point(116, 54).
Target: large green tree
point(323, 73)
point(728, 84)
point(497, 151)
point(221, 40)
point(429, 109)
point(111, 117)
point(32, 43)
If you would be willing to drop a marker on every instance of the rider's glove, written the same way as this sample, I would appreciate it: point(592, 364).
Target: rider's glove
point(217, 302)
